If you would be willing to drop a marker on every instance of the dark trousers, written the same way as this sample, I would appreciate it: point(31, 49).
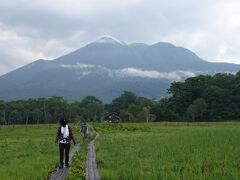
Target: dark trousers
point(64, 147)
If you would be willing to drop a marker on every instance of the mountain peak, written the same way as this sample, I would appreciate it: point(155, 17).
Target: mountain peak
point(109, 40)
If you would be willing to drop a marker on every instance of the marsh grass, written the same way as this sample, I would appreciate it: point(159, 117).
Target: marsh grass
point(78, 167)
point(28, 152)
point(170, 151)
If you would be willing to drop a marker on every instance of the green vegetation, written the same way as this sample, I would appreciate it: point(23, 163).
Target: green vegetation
point(42, 110)
point(121, 127)
point(29, 152)
point(128, 151)
point(78, 167)
point(205, 98)
point(169, 151)
point(201, 98)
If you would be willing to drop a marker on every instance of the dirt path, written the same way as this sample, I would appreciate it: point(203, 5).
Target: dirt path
point(91, 168)
point(60, 174)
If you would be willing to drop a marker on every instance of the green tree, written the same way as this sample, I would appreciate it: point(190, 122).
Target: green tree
point(122, 102)
point(36, 114)
point(126, 116)
point(165, 110)
point(2, 112)
point(217, 100)
point(57, 107)
point(91, 109)
point(197, 110)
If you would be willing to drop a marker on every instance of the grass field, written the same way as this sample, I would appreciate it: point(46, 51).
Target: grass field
point(28, 152)
point(169, 151)
point(128, 151)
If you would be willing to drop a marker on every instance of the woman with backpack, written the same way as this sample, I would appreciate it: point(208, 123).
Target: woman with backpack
point(63, 138)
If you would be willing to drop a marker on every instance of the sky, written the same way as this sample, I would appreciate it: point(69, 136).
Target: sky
point(47, 29)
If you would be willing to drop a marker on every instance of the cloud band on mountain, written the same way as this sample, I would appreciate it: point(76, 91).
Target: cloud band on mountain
point(86, 69)
point(172, 76)
point(78, 66)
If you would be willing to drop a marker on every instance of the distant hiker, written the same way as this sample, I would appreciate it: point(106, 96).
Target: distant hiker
point(63, 137)
point(84, 130)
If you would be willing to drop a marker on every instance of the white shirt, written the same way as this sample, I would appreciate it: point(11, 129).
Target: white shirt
point(65, 132)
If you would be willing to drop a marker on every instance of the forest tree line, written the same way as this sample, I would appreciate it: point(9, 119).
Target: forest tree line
point(200, 98)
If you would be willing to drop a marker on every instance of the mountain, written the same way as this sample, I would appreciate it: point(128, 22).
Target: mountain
point(105, 68)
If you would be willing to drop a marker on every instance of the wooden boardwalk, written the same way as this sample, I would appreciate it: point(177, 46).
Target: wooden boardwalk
point(91, 168)
point(60, 174)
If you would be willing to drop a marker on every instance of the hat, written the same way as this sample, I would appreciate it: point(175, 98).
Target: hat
point(63, 121)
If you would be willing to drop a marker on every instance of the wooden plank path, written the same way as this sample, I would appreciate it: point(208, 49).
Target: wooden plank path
point(91, 167)
point(60, 174)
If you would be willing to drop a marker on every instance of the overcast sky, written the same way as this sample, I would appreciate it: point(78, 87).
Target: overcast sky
point(46, 29)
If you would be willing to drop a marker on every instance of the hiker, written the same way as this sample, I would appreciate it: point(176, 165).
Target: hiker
point(63, 137)
point(84, 130)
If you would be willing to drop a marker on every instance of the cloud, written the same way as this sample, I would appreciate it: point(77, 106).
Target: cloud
point(14, 51)
point(17, 50)
point(214, 37)
point(78, 66)
point(48, 29)
point(87, 69)
point(172, 76)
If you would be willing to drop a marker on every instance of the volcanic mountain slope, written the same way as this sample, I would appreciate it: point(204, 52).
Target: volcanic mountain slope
point(105, 68)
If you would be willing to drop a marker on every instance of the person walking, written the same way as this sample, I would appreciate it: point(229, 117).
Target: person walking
point(63, 138)
point(84, 130)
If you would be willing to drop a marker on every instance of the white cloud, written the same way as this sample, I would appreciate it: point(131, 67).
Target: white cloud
point(78, 66)
point(86, 69)
point(214, 38)
point(172, 76)
point(48, 29)
point(14, 50)
point(17, 50)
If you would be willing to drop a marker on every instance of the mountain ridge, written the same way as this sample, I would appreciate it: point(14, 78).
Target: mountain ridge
point(105, 67)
